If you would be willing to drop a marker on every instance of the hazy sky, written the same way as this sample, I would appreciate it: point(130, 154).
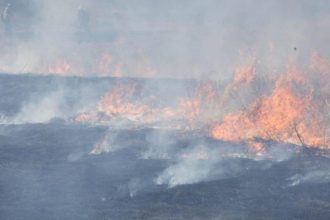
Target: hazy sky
point(185, 38)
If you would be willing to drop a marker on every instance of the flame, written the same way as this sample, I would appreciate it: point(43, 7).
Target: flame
point(244, 74)
point(198, 109)
point(144, 68)
point(189, 109)
point(319, 63)
point(86, 117)
point(118, 72)
point(125, 101)
point(104, 67)
point(293, 109)
point(286, 115)
point(108, 67)
point(61, 67)
point(119, 103)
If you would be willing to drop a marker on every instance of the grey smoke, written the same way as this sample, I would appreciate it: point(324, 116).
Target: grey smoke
point(312, 177)
point(202, 163)
point(169, 38)
point(41, 109)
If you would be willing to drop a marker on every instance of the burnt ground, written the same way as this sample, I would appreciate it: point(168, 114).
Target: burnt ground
point(46, 172)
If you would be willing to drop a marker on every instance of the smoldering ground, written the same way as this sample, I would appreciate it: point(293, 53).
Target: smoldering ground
point(47, 171)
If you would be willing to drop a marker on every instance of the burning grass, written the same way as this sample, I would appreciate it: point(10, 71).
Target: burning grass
point(292, 108)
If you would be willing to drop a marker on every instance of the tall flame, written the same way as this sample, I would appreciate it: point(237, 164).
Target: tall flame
point(286, 115)
point(294, 108)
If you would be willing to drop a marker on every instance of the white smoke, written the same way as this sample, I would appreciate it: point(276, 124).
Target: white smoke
point(310, 176)
point(41, 109)
point(172, 39)
point(204, 162)
point(105, 145)
point(198, 164)
point(160, 145)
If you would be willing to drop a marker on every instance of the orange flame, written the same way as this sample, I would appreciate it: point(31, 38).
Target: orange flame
point(285, 116)
point(118, 103)
point(61, 67)
point(105, 64)
point(244, 74)
point(124, 101)
point(294, 110)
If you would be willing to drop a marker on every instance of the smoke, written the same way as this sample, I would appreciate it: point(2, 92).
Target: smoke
point(160, 145)
point(107, 144)
point(193, 168)
point(41, 110)
point(186, 39)
point(32, 99)
point(173, 39)
point(311, 177)
point(190, 159)
point(204, 163)
point(146, 38)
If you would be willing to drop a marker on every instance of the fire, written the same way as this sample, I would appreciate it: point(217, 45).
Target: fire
point(105, 64)
point(286, 115)
point(319, 63)
point(199, 108)
point(190, 109)
point(244, 74)
point(110, 65)
point(144, 67)
point(61, 67)
point(118, 70)
point(293, 108)
point(119, 103)
point(86, 117)
point(267, 118)
point(126, 101)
